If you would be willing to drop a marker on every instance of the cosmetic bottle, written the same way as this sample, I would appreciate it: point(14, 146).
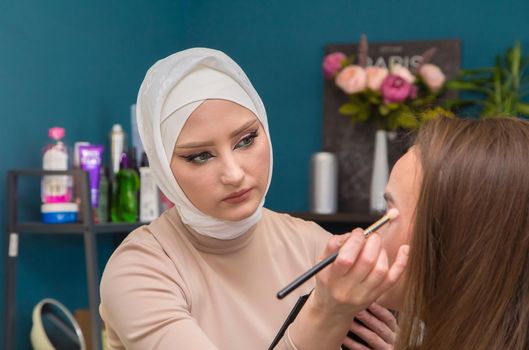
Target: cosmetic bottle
point(124, 203)
point(102, 209)
point(56, 188)
point(149, 200)
point(118, 140)
point(324, 183)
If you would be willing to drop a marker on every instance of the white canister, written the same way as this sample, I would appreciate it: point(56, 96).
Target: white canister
point(324, 183)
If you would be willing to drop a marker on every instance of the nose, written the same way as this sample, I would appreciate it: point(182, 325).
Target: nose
point(232, 173)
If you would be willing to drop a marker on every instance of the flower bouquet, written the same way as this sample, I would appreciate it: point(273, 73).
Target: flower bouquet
point(390, 97)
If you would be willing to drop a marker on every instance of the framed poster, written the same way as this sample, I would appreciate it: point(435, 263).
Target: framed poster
point(353, 144)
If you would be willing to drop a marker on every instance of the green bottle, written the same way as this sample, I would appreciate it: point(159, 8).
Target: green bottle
point(124, 206)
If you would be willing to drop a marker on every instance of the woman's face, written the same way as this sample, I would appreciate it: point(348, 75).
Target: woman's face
point(402, 193)
point(221, 160)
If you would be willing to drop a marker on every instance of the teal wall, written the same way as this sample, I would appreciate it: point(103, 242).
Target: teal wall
point(79, 65)
point(76, 64)
point(280, 45)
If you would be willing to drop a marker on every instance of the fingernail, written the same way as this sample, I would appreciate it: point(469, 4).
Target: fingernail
point(406, 249)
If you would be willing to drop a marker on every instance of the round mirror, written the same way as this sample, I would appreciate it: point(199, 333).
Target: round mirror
point(55, 328)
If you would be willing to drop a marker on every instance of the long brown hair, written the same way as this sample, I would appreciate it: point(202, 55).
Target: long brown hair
point(468, 275)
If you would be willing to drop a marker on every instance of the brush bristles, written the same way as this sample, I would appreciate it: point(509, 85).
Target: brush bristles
point(392, 213)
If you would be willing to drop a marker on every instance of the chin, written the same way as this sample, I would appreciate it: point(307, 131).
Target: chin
point(239, 213)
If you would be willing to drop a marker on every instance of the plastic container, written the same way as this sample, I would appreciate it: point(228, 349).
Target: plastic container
point(56, 188)
point(324, 183)
point(59, 213)
point(118, 140)
point(149, 200)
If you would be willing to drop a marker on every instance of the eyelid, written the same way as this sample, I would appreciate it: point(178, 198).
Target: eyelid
point(192, 158)
point(253, 134)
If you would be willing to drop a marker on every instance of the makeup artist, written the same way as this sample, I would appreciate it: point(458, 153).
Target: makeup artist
point(205, 274)
point(463, 196)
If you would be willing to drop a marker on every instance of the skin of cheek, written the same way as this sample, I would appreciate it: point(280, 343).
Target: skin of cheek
point(403, 189)
point(395, 235)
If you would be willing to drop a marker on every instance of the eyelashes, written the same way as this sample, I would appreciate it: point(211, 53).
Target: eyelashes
point(248, 140)
point(203, 157)
point(198, 158)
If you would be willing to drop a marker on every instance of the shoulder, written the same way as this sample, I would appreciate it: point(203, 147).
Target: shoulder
point(140, 254)
point(139, 251)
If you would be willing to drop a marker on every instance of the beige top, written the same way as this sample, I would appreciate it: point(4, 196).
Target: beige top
point(166, 287)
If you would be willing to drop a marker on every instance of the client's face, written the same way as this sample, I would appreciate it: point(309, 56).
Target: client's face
point(402, 193)
point(221, 160)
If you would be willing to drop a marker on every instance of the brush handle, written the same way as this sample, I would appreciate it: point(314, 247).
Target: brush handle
point(328, 260)
point(307, 275)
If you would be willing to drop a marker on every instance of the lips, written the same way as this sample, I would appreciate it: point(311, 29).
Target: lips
point(238, 196)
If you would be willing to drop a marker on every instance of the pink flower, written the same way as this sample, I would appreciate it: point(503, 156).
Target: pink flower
point(375, 77)
point(403, 72)
point(432, 76)
point(352, 79)
point(395, 89)
point(332, 63)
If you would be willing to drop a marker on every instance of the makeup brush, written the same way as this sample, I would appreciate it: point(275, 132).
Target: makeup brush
point(390, 215)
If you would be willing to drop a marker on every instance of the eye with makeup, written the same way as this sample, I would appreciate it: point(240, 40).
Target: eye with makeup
point(198, 158)
point(203, 157)
point(389, 200)
point(247, 140)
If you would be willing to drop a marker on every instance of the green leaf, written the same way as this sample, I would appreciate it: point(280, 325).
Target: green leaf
point(514, 57)
point(407, 121)
point(393, 106)
point(349, 109)
point(509, 105)
point(383, 109)
point(522, 108)
point(497, 88)
point(466, 86)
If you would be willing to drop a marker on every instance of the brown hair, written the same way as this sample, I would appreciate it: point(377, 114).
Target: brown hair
point(468, 275)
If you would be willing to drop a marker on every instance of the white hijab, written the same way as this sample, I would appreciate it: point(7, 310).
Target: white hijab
point(172, 89)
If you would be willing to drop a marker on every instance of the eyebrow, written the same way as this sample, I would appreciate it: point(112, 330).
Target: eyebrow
point(388, 197)
point(208, 143)
point(243, 128)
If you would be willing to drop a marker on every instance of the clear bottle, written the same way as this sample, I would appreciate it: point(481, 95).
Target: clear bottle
point(56, 188)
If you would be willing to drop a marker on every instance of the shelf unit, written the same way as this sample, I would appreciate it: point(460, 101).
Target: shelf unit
point(87, 228)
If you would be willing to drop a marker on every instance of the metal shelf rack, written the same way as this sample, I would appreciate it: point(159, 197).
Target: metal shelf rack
point(86, 227)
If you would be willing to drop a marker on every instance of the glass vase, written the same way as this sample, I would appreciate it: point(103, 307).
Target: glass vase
point(379, 176)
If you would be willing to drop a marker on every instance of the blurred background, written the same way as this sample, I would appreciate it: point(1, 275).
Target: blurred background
point(79, 65)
